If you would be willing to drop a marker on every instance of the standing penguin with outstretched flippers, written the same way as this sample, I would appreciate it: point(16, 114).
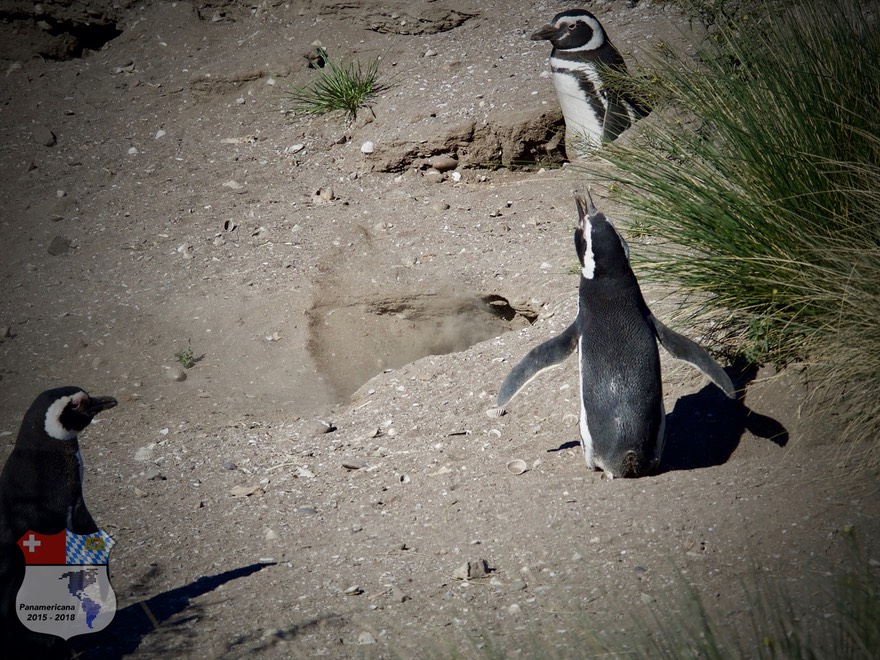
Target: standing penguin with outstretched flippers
point(622, 418)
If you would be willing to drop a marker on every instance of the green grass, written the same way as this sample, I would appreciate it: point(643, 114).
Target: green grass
point(344, 85)
point(186, 357)
point(760, 174)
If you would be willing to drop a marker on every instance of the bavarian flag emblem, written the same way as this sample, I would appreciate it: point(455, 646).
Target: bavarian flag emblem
point(66, 589)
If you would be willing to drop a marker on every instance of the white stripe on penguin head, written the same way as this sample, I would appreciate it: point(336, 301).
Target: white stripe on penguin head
point(588, 270)
point(595, 41)
point(53, 424)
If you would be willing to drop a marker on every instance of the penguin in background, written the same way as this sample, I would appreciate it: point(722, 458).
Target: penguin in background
point(41, 490)
point(581, 60)
point(622, 417)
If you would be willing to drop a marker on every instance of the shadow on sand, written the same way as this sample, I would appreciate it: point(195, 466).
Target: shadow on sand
point(131, 624)
point(705, 428)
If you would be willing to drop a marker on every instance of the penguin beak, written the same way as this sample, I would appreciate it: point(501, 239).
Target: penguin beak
point(548, 32)
point(98, 403)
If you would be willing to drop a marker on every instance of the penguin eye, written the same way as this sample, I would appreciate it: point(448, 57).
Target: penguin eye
point(80, 404)
point(572, 26)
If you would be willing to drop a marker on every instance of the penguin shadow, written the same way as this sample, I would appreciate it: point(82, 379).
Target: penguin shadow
point(705, 428)
point(133, 623)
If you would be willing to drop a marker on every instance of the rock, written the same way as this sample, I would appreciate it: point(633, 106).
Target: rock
point(440, 207)
point(496, 412)
point(471, 570)
point(175, 373)
point(443, 163)
point(368, 147)
point(322, 426)
point(434, 176)
point(271, 535)
point(144, 453)
point(323, 195)
point(44, 136)
point(353, 590)
point(60, 245)
point(246, 491)
point(354, 464)
point(153, 474)
point(366, 638)
point(517, 585)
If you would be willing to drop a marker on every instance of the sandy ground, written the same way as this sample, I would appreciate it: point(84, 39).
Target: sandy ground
point(332, 460)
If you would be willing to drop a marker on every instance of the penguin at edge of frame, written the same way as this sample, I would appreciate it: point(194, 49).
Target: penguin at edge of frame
point(41, 490)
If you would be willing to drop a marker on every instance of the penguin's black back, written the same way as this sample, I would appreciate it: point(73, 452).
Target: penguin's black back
point(620, 361)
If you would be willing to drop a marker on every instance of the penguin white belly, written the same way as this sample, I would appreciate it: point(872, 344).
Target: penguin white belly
point(586, 437)
point(583, 126)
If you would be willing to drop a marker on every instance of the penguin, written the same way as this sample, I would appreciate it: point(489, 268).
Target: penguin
point(581, 60)
point(41, 491)
point(622, 418)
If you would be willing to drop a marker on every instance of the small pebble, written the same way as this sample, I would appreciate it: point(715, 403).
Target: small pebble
point(433, 176)
point(366, 638)
point(153, 474)
point(60, 245)
point(368, 147)
point(175, 373)
point(44, 136)
point(144, 453)
point(443, 163)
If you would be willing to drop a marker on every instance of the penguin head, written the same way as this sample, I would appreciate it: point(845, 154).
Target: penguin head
point(603, 252)
point(573, 30)
point(65, 411)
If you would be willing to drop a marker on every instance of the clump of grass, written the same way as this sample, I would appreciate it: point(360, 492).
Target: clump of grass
point(344, 85)
point(760, 173)
point(186, 357)
point(775, 626)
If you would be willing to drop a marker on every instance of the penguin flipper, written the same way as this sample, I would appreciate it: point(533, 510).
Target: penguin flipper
point(689, 351)
point(544, 356)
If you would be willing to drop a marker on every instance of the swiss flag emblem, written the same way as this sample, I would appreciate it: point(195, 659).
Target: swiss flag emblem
point(44, 548)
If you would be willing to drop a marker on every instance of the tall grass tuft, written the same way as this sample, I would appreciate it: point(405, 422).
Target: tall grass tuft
point(341, 85)
point(760, 173)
